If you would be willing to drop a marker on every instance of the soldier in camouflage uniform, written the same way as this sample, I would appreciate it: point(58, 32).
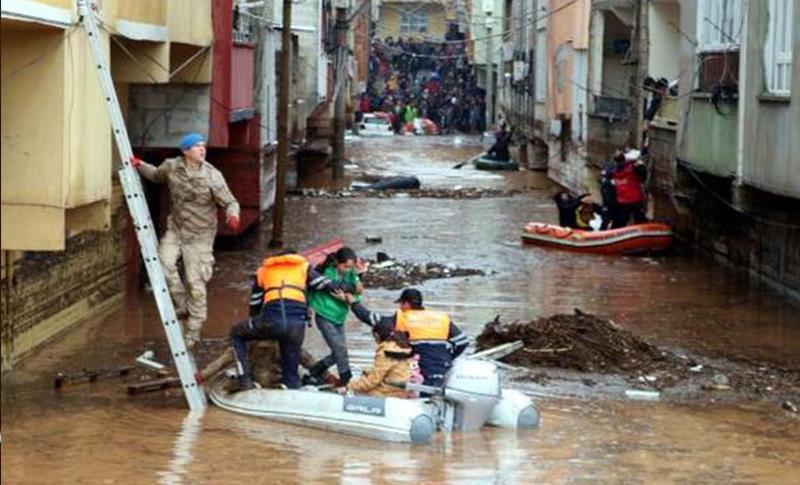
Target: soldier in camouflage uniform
point(196, 189)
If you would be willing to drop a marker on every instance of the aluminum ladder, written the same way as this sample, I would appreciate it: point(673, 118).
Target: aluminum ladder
point(137, 205)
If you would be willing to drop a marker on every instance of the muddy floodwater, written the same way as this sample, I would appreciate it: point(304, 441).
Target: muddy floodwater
point(95, 433)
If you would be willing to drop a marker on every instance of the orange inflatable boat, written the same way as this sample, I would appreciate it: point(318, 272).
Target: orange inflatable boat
point(652, 236)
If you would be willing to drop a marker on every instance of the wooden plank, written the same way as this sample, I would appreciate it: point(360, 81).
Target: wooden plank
point(499, 352)
point(90, 375)
point(153, 385)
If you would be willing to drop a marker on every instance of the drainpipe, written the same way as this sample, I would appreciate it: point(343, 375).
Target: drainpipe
point(642, 61)
point(741, 127)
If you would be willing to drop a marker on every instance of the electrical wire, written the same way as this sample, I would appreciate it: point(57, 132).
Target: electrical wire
point(723, 201)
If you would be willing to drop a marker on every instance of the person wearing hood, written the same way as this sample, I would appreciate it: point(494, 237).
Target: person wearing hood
point(432, 335)
point(392, 367)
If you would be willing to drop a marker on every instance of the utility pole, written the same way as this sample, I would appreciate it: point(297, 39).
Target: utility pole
point(642, 61)
point(283, 126)
point(489, 67)
point(340, 99)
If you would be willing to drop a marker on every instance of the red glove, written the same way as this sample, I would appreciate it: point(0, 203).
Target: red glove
point(234, 223)
point(135, 162)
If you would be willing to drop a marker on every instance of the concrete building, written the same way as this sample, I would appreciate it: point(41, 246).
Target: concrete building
point(525, 79)
point(736, 170)
point(66, 240)
point(492, 45)
point(63, 222)
point(416, 19)
point(724, 166)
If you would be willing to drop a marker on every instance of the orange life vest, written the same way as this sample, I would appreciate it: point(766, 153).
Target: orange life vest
point(423, 324)
point(283, 277)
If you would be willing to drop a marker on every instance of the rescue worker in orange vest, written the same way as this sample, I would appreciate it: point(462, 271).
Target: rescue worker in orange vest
point(433, 336)
point(278, 311)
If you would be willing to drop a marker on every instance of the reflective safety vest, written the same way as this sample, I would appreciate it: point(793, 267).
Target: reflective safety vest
point(423, 325)
point(283, 277)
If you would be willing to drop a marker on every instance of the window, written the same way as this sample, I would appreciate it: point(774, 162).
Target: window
point(719, 25)
point(414, 22)
point(778, 49)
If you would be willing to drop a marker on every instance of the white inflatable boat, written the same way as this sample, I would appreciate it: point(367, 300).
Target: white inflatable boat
point(471, 398)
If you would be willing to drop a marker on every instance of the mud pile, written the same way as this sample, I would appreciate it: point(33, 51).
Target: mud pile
point(394, 275)
point(579, 341)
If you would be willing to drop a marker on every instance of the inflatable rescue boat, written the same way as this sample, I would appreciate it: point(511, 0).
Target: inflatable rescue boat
point(471, 398)
point(651, 236)
point(483, 162)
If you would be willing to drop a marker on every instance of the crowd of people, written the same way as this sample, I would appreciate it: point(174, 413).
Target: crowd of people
point(411, 79)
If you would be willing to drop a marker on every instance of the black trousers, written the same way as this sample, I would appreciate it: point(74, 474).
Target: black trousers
point(290, 341)
point(621, 214)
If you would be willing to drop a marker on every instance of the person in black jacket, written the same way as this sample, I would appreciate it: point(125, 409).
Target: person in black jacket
point(499, 151)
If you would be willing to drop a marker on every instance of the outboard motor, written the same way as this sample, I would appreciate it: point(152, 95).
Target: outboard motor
point(471, 391)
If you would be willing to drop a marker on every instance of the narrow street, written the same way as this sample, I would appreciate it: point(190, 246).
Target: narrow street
point(95, 433)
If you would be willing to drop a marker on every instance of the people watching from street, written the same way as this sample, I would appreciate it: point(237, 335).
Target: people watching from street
point(627, 176)
point(422, 79)
point(392, 366)
point(196, 190)
point(499, 151)
point(331, 314)
point(433, 336)
point(279, 311)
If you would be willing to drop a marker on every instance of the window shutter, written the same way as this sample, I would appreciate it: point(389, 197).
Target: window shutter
point(778, 48)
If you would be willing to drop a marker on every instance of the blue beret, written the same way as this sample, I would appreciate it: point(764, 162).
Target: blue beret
point(190, 140)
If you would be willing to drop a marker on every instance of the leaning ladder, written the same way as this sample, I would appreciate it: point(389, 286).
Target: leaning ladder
point(137, 205)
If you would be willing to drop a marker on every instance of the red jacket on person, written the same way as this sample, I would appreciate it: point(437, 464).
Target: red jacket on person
point(628, 184)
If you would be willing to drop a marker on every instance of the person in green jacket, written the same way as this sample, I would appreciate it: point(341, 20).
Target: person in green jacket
point(331, 315)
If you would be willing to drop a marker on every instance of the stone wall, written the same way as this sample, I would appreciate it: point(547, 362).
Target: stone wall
point(755, 237)
point(189, 111)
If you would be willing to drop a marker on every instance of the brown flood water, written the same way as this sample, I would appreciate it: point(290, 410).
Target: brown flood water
point(96, 434)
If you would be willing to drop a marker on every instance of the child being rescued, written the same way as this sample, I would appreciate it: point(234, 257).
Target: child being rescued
point(394, 366)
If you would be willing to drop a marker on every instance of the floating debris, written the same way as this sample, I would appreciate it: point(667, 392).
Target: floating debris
point(395, 274)
point(457, 192)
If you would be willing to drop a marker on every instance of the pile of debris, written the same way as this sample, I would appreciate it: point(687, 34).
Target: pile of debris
point(579, 341)
point(456, 192)
point(588, 344)
point(394, 274)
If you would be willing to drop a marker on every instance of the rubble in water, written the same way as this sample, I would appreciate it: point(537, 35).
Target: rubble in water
point(395, 275)
point(431, 193)
point(592, 345)
point(579, 341)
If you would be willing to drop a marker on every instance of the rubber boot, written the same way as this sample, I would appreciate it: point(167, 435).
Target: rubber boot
point(314, 377)
point(245, 384)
